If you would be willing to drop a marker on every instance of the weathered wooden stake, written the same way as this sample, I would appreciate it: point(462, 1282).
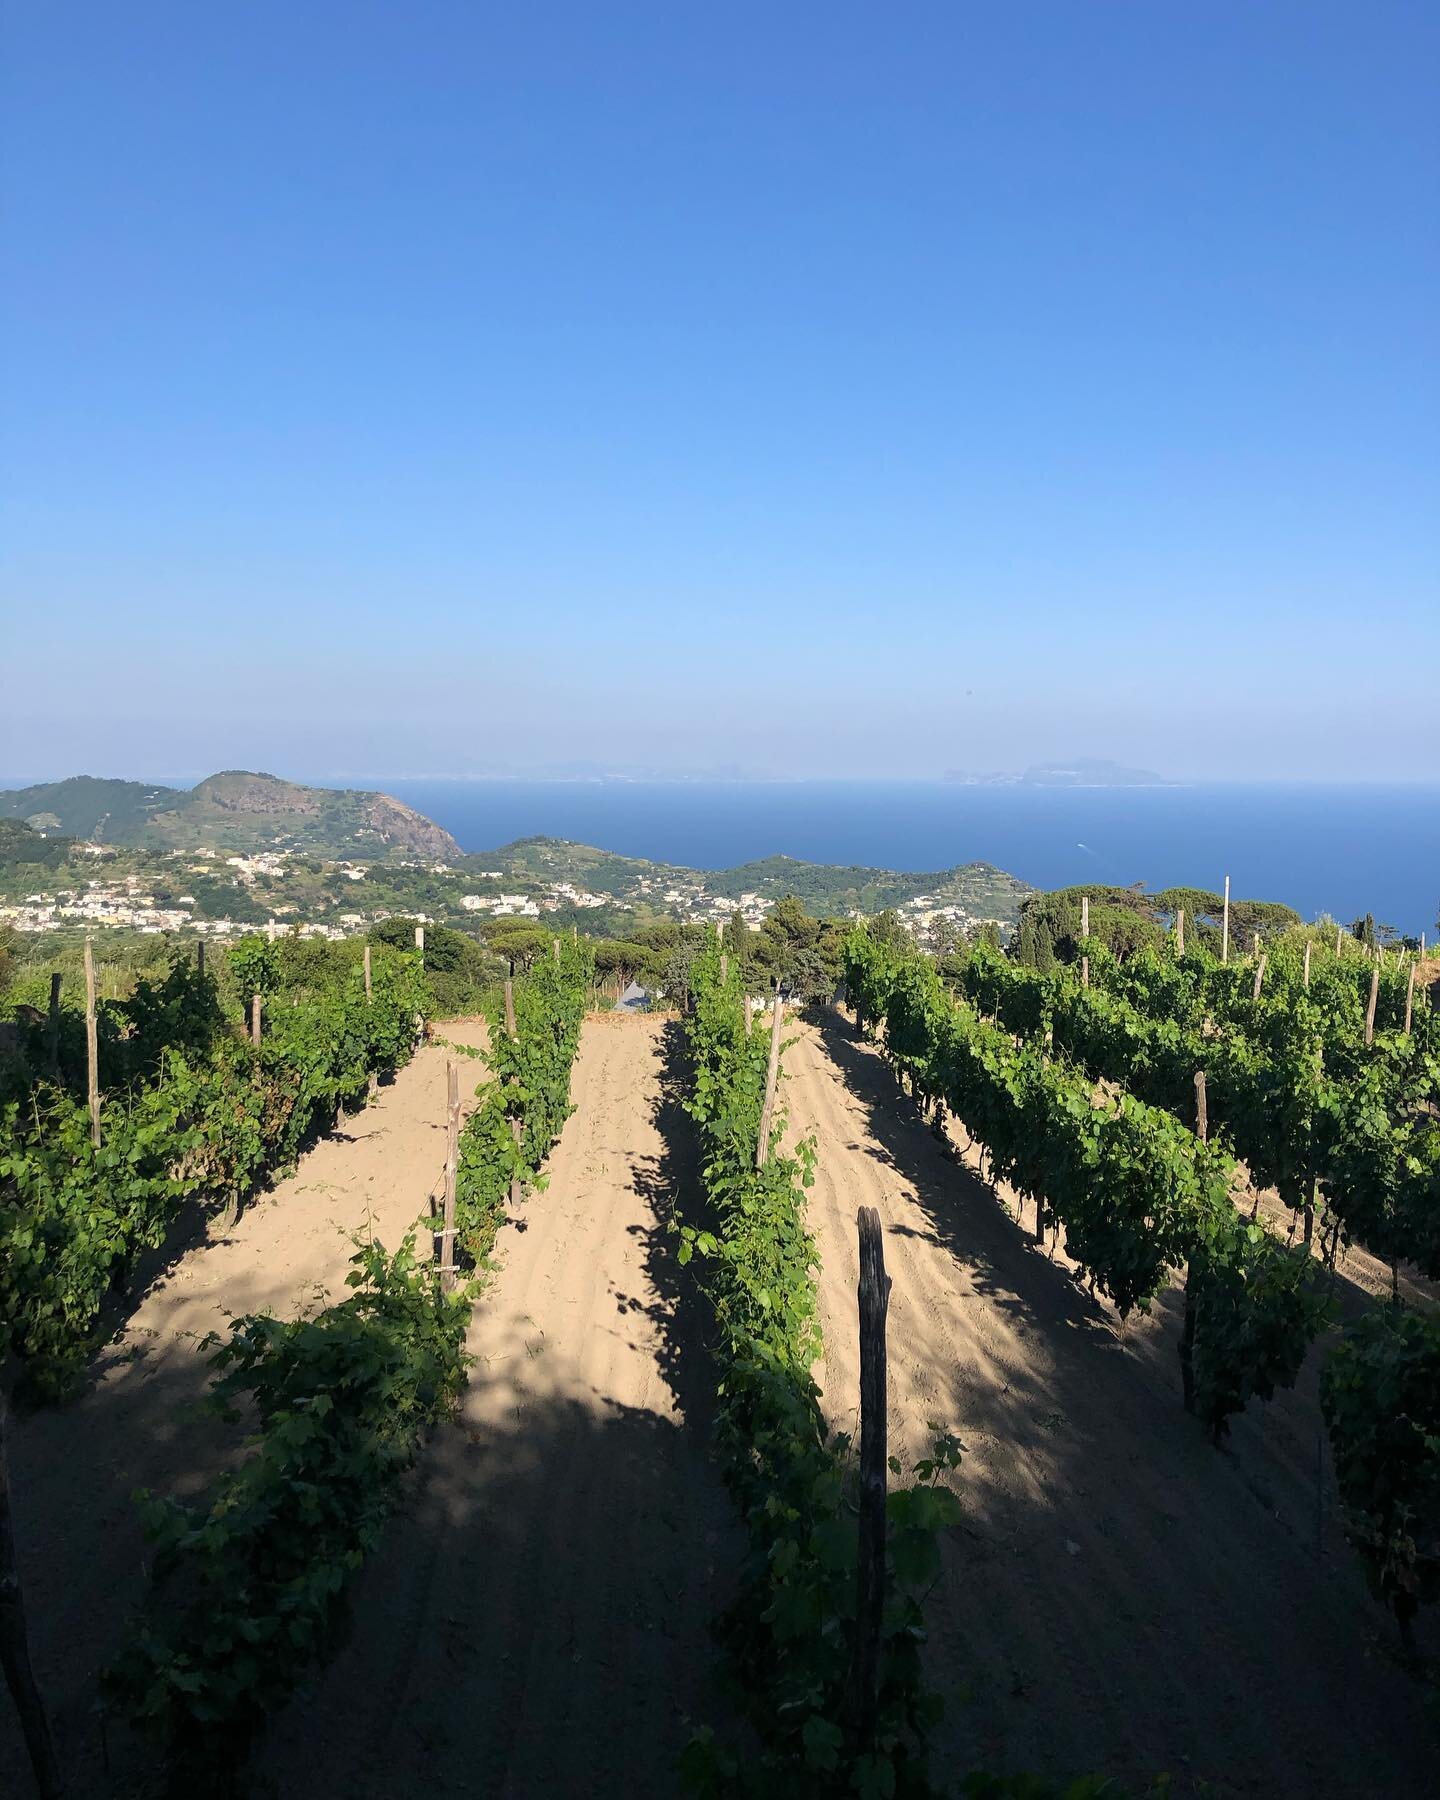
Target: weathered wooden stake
point(724, 967)
point(1370, 1009)
point(92, 1045)
point(1307, 962)
point(1339, 938)
point(1085, 971)
point(254, 1018)
point(1255, 943)
point(1259, 976)
point(420, 942)
point(555, 950)
point(369, 981)
point(772, 1075)
point(1202, 1113)
point(517, 1129)
point(749, 1009)
point(719, 932)
point(1084, 915)
point(874, 1302)
point(52, 1028)
point(1409, 1000)
point(1225, 926)
point(15, 1643)
point(1180, 930)
point(452, 1164)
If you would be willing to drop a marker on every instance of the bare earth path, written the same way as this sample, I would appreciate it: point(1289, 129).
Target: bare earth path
point(536, 1622)
point(1123, 1599)
point(73, 1469)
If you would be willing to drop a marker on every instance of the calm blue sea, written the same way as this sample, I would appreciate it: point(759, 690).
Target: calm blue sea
point(1342, 850)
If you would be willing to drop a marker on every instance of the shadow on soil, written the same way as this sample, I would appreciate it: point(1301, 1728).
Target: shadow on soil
point(1123, 1599)
point(536, 1621)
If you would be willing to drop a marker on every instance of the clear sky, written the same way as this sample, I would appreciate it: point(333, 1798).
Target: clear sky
point(435, 387)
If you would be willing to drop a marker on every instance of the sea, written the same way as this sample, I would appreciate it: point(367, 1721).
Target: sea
point(1337, 850)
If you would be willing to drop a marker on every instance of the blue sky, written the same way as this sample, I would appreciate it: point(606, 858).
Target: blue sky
point(828, 389)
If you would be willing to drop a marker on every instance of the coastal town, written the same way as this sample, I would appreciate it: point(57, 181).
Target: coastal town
point(211, 894)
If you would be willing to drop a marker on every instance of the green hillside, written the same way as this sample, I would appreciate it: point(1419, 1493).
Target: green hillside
point(237, 811)
point(985, 891)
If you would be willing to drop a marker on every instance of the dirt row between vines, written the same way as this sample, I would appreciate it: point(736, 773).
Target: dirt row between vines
point(536, 1620)
point(1122, 1598)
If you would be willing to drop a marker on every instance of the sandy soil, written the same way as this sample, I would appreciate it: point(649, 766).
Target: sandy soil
point(73, 1469)
point(1122, 1599)
point(537, 1620)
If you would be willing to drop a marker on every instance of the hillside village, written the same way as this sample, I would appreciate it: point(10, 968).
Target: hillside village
point(276, 894)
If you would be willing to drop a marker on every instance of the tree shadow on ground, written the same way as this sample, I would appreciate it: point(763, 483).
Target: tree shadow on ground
point(1123, 1599)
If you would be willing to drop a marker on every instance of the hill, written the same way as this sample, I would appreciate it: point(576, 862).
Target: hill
point(982, 890)
point(236, 810)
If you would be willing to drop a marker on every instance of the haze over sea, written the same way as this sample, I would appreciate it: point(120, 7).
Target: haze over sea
point(1342, 850)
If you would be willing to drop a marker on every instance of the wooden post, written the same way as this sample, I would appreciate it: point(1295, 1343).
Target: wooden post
point(1409, 1000)
point(517, 1187)
point(517, 1129)
point(92, 1045)
point(1255, 943)
point(369, 981)
point(749, 1008)
point(1085, 971)
point(1225, 926)
point(555, 951)
point(874, 1302)
point(420, 942)
point(52, 1027)
point(772, 1075)
point(15, 1643)
point(1307, 964)
point(1179, 930)
point(1339, 938)
point(254, 1018)
point(1202, 1111)
point(719, 932)
point(1259, 976)
point(1084, 915)
point(452, 1164)
point(1370, 1009)
point(724, 967)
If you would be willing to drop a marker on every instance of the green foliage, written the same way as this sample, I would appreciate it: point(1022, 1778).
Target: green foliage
point(790, 1634)
point(30, 851)
point(248, 1583)
point(1256, 1310)
point(460, 972)
point(200, 1114)
point(1292, 1086)
point(1381, 1397)
point(1137, 1192)
point(530, 1086)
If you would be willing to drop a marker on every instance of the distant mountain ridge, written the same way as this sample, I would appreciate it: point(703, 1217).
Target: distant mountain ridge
point(236, 810)
point(1082, 771)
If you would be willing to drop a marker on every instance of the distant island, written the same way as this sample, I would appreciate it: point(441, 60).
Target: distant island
point(235, 810)
point(1080, 772)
